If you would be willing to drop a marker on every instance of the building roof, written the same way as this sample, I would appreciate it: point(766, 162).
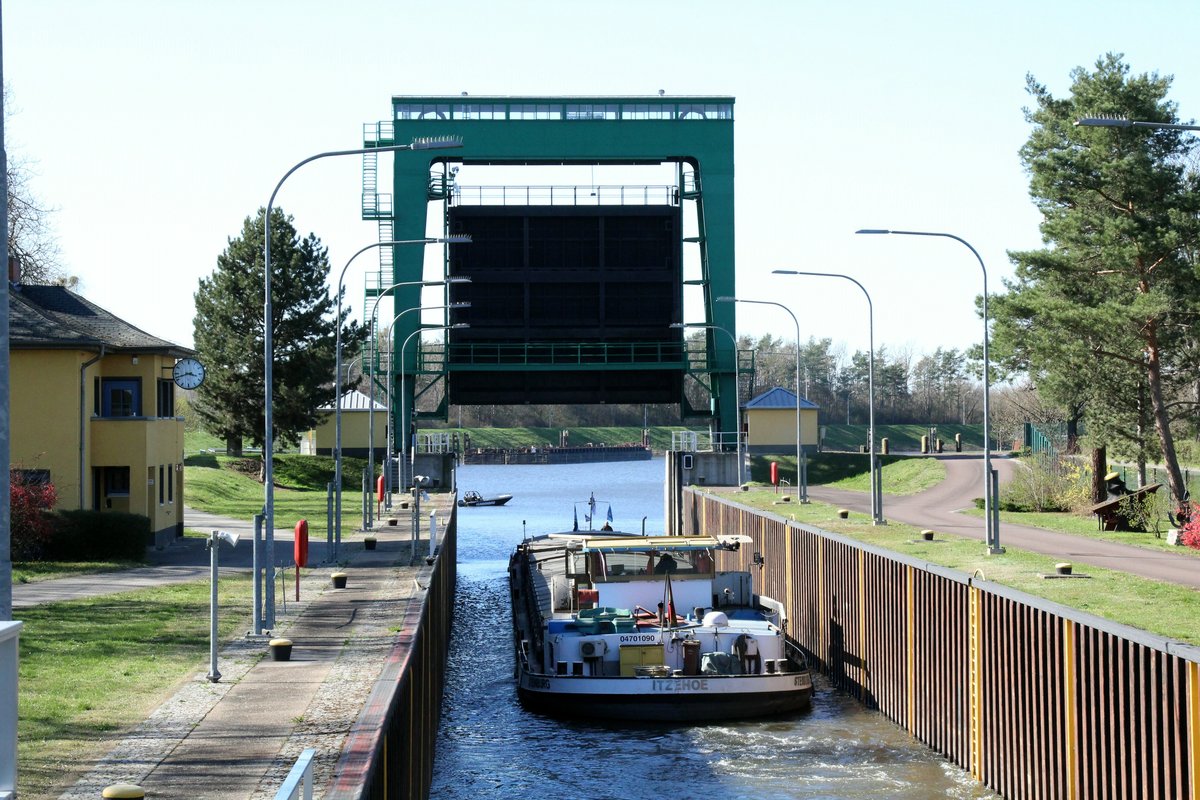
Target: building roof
point(41, 317)
point(779, 398)
point(354, 400)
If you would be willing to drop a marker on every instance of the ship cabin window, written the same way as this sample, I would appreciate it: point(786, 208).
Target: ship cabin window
point(628, 565)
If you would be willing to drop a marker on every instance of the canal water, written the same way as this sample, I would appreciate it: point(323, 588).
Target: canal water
point(489, 746)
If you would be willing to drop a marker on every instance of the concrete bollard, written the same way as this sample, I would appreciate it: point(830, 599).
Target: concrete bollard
point(1063, 568)
point(281, 649)
point(126, 791)
point(843, 513)
point(369, 542)
point(927, 535)
point(339, 580)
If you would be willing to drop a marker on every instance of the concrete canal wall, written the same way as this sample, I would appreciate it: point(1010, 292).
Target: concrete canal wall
point(1034, 699)
point(389, 752)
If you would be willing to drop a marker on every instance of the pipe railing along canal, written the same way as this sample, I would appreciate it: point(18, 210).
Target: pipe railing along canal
point(1034, 699)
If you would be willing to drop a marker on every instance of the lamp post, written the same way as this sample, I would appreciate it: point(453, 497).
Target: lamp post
point(391, 428)
point(428, 143)
point(876, 474)
point(337, 374)
point(801, 456)
point(737, 434)
point(337, 368)
point(403, 412)
point(1105, 122)
point(991, 512)
point(371, 370)
point(214, 546)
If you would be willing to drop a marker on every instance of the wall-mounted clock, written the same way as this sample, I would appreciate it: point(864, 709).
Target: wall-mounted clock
point(188, 373)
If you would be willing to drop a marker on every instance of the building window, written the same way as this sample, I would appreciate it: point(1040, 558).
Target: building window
point(162, 489)
point(595, 111)
point(120, 397)
point(30, 477)
point(535, 111)
point(166, 398)
point(423, 111)
point(483, 112)
point(170, 483)
point(116, 481)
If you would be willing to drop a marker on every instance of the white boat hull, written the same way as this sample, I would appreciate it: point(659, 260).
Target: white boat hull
point(668, 699)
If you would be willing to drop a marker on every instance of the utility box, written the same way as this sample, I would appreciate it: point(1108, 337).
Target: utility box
point(639, 655)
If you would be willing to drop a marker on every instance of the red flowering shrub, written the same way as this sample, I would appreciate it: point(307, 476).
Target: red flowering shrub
point(1189, 532)
point(30, 500)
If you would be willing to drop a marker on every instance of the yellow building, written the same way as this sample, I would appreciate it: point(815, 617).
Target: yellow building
point(92, 408)
point(356, 428)
point(770, 421)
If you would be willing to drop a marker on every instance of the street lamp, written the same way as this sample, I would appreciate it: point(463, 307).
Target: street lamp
point(337, 372)
point(403, 412)
point(371, 371)
point(991, 512)
point(337, 367)
point(1106, 122)
point(423, 143)
point(737, 434)
point(801, 456)
point(876, 474)
point(391, 428)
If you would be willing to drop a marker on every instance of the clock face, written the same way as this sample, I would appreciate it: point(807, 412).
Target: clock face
point(188, 373)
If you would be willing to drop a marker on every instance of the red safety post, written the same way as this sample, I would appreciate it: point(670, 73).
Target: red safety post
point(300, 551)
point(379, 493)
point(775, 474)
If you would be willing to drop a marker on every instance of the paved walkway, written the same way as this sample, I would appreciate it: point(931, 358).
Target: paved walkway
point(240, 737)
point(183, 561)
point(938, 508)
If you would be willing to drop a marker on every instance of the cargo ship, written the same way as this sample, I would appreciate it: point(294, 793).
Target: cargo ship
point(628, 627)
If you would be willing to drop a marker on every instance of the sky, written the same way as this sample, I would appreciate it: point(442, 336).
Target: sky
point(155, 128)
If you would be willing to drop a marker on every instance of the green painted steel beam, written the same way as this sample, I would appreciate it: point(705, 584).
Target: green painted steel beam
point(541, 130)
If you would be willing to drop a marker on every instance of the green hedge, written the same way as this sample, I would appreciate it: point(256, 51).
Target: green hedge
point(93, 536)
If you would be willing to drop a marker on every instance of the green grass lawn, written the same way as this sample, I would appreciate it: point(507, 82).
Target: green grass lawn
point(907, 476)
point(901, 474)
point(34, 571)
point(230, 487)
point(1161, 608)
point(1086, 525)
point(93, 668)
point(219, 489)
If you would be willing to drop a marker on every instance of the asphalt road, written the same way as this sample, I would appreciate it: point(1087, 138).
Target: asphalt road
point(183, 561)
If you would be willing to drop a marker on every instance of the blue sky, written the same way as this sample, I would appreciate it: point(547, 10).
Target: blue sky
point(156, 127)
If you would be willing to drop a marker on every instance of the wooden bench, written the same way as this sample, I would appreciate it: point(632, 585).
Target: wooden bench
point(1114, 514)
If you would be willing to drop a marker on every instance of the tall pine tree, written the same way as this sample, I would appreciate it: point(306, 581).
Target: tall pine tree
point(229, 335)
point(1112, 298)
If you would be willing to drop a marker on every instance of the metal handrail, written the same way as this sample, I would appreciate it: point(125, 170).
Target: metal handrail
point(560, 353)
point(579, 195)
point(299, 782)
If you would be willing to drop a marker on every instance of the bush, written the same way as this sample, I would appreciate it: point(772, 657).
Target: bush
point(29, 503)
point(1049, 484)
point(93, 536)
point(1189, 533)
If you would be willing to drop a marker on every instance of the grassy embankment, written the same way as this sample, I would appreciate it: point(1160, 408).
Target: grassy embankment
point(230, 487)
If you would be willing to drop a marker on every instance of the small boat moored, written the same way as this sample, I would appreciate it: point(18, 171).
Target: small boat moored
point(473, 498)
point(620, 626)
